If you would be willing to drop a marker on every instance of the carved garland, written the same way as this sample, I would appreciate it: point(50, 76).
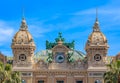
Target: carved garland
point(69, 57)
point(50, 56)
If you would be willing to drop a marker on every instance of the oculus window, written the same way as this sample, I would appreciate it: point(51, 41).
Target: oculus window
point(97, 57)
point(22, 57)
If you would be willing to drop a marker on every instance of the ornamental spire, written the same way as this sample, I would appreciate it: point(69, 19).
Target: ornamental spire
point(23, 22)
point(96, 24)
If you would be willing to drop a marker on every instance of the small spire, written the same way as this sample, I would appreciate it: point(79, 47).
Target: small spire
point(23, 23)
point(23, 13)
point(96, 14)
point(96, 24)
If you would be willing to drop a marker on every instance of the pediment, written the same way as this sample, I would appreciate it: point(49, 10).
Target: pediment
point(60, 48)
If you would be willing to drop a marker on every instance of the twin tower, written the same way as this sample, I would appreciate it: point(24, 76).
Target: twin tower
point(23, 45)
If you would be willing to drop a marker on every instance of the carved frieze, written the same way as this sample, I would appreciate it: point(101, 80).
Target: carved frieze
point(96, 74)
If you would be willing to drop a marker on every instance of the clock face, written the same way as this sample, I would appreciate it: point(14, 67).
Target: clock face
point(60, 57)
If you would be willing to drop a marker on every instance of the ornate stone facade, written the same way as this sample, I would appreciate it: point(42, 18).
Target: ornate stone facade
point(60, 62)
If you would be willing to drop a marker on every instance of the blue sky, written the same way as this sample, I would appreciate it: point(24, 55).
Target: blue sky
point(74, 18)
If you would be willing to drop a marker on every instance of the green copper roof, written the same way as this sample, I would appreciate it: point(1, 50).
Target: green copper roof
point(42, 55)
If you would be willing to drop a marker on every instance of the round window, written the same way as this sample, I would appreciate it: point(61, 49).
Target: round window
point(97, 57)
point(22, 57)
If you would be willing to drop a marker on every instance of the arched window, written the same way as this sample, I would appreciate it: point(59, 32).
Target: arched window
point(98, 81)
point(23, 81)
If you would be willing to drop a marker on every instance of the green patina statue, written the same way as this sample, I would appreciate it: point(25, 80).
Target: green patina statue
point(50, 45)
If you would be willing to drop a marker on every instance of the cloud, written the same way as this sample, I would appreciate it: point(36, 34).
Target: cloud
point(38, 30)
point(100, 11)
point(108, 17)
point(38, 27)
point(6, 32)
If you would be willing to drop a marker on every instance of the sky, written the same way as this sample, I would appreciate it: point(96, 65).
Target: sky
point(74, 18)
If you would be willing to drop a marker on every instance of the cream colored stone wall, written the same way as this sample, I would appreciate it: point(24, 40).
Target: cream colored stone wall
point(28, 79)
point(52, 79)
point(70, 79)
point(92, 79)
point(53, 76)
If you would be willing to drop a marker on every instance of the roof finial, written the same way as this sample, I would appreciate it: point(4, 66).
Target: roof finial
point(96, 25)
point(97, 16)
point(96, 13)
point(23, 23)
point(23, 16)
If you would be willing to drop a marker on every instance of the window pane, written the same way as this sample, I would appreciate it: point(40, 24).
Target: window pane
point(41, 81)
point(97, 81)
point(23, 81)
point(60, 81)
point(79, 81)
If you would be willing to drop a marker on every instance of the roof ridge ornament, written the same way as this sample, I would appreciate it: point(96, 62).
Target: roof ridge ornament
point(96, 24)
